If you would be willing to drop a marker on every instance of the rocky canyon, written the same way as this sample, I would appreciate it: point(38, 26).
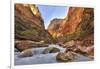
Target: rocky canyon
point(74, 33)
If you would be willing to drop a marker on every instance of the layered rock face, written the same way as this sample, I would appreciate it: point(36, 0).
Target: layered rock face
point(29, 24)
point(78, 24)
point(54, 26)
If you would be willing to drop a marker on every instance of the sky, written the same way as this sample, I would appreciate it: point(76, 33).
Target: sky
point(50, 12)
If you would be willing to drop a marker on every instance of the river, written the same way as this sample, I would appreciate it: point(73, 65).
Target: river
point(39, 58)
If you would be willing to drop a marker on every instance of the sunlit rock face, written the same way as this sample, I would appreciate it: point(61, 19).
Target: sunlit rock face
point(35, 10)
point(78, 24)
point(54, 26)
point(29, 12)
point(74, 18)
point(29, 24)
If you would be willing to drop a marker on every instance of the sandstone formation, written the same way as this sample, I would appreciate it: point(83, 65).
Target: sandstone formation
point(65, 57)
point(23, 45)
point(29, 24)
point(27, 53)
point(77, 25)
point(76, 31)
point(26, 44)
point(54, 26)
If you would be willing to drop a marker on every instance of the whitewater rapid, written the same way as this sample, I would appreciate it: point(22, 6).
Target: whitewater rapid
point(39, 58)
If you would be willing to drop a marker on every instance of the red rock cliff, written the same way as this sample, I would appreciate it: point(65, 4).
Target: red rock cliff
point(78, 23)
point(29, 24)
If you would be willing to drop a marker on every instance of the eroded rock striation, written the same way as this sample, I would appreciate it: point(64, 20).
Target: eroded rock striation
point(77, 25)
point(29, 24)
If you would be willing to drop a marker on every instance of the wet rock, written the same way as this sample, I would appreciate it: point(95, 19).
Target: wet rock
point(87, 51)
point(26, 53)
point(65, 57)
point(90, 52)
point(23, 45)
point(26, 44)
point(75, 48)
point(69, 43)
point(51, 50)
point(15, 50)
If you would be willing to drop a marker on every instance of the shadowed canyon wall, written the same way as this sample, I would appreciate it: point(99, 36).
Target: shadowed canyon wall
point(29, 24)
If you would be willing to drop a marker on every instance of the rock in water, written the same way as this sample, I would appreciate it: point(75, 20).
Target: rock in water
point(26, 44)
point(26, 53)
point(51, 50)
point(23, 45)
point(65, 57)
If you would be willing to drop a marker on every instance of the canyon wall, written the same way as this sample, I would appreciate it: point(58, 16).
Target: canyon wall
point(77, 25)
point(29, 24)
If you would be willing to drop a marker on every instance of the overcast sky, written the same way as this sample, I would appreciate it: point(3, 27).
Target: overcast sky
point(50, 12)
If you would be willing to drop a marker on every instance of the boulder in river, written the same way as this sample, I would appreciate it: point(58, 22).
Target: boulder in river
point(27, 44)
point(23, 45)
point(51, 50)
point(27, 53)
point(65, 57)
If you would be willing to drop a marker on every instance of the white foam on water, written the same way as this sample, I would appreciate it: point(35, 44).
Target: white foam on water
point(59, 47)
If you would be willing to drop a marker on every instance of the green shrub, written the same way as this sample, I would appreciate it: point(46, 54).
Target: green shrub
point(31, 32)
